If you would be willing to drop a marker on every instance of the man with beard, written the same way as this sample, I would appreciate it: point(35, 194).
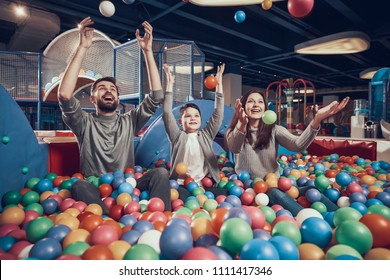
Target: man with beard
point(106, 138)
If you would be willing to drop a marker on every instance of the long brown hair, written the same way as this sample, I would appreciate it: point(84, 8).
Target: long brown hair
point(264, 131)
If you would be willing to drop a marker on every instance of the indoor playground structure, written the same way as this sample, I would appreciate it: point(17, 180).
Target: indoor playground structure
point(40, 220)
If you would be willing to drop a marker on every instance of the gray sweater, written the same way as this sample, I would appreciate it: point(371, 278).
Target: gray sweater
point(178, 138)
point(261, 162)
point(106, 143)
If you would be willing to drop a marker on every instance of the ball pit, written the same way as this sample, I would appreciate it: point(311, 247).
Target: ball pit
point(43, 221)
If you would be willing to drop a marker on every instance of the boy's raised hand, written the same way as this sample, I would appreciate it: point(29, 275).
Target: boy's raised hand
point(145, 43)
point(170, 77)
point(218, 76)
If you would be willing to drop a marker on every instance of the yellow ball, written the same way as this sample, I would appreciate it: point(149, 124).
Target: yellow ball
point(119, 248)
point(12, 215)
point(76, 235)
point(174, 194)
point(266, 5)
point(123, 199)
point(181, 168)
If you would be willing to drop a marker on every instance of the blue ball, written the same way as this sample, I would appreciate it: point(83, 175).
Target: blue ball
point(233, 177)
point(310, 183)
point(244, 176)
point(118, 181)
point(237, 212)
point(284, 212)
point(143, 226)
point(343, 179)
point(319, 166)
point(174, 184)
point(233, 200)
point(144, 195)
point(49, 205)
point(125, 187)
point(225, 205)
point(302, 181)
point(209, 195)
point(58, 232)
point(191, 186)
point(128, 220)
point(138, 169)
point(236, 190)
point(357, 197)
point(313, 195)
point(43, 185)
point(6, 242)
point(359, 206)
point(286, 172)
point(220, 253)
point(259, 249)
point(46, 249)
point(206, 240)
point(373, 201)
point(317, 231)
point(131, 236)
point(384, 197)
point(262, 234)
point(175, 241)
point(239, 16)
point(118, 173)
point(286, 247)
point(106, 178)
point(332, 194)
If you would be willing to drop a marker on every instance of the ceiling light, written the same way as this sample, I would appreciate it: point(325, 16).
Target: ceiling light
point(302, 90)
point(20, 11)
point(186, 69)
point(339, 43)
point(219, 3)
point(368, 73)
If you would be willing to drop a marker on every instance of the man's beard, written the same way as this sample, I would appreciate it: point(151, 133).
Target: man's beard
point(107, 108)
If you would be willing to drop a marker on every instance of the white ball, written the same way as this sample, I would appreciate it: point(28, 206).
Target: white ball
point(252, 191)
point(151, 238)
point(261, 199)
point(343, 201)
point(132, 181)
point(307, 213)
point(106, 8)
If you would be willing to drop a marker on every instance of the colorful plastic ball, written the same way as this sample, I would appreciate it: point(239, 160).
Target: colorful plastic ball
point(143, 226)
point(289, 230)
point(141, 252)
point(175, 241)
point(210, 82)
point(103, 234)
point(355, 235)
point(210, 205)
point(244, 176)
point(43, 185)
point(238, 212)
point(379, 227)
point(49, 206)
point(346, 214)
point(233, 200)
point(359, 207)
point(316, 231)
point(234, 234)
point(307, 213)
point(131, 236)
point(340, 250)
point(377, 254)
point(269, 117)
point(12, 215)
point(37, 229)
point(266, 5)
point(155, 204)
point(286, 248)
point(174, 184)
point(98, 252)
point(313, 195)
point(6, 242)
point(46, 249)
point(321, 182)
point(119, 249)
point(206, 240)
point(181, 168)
point(11, 197)
point(343, 179)
point(309, 251)
point(76, 248)
point(58, 232)
point(5, 139)
point(30, 197)
point(384, 197)
point(239, 16)
point(300, 8)
point(199, 253)
point(106, 8)
point(259, 249)
point(220, 253)
point(379, 209)
point(106, 178)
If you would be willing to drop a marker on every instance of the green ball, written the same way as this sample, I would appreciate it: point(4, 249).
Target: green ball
point(319, 206)
point(34, 207)
point(66, 184)
point(25, 170)
point(37, 229)
point(229, 185)
point(201, 214)
point(143, 207)
point(32, 182)
point(346, 214)
point(30, 197)
point(197, 191)
point(11, 197)
point(234, 234)
point(141, 252)
point(289, 230)
point(51, 176)
point(182, 211)
point(321, 182)
point(5, 139)
point(210, 205)
point(269, 117)
point(192, 204)
point(339, 250)
point(269, 213)
point(76, 248)
point(355, 234)
point(222, 184)
point(380, 210)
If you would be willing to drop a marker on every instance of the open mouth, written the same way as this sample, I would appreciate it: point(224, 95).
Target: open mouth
point(255, 111)
point(108, 98)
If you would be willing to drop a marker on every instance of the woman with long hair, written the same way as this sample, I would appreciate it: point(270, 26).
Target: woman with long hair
point(255, 144)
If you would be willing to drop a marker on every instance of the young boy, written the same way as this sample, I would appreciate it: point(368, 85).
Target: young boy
point(193, 145)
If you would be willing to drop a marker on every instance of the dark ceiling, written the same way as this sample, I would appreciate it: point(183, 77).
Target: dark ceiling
point(261, 48)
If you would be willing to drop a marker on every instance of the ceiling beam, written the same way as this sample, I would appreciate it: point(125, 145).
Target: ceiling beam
point(346, 11)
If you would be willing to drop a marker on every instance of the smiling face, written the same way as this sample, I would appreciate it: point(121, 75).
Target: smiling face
point(255, 106)
point(190, 120)
point(105, 97)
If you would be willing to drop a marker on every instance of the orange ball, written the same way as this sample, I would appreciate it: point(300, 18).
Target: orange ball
point(91, 222)
point(75, 236)
point(377, 254)
point(119, 248)
point(12, 215)
point(217, 219)
point(201, 226)
point(123, 199)
point(210, 82)
point(94, 208)
point(174, 194)
point(98, 252)
point(266, 5)
point(293, 192)
point(260, 187)
point(70, 221)
point(181, 168)
point(72, 211)
point(309, 251)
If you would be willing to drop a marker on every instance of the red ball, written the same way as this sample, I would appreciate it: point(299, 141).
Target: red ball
point(247, 198)
point(155, 204)
point(284, 184)
point(116, 212)
point(98, 252)
point(199, 253)
point(104, 234)
point(257, 217)
point(210, 82)
point(300, 8)
point(105, 190)
point(157, 216)
point(207, 182)
point(188, 180)
point(379, 227)
point(176, 204)
point(131, 207)
point(109, 202)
